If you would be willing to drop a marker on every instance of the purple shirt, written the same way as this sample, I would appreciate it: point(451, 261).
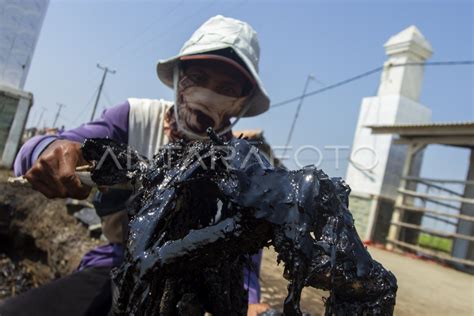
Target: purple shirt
point(113, 123)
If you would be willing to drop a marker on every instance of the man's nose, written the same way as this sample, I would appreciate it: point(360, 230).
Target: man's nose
point(211, 85)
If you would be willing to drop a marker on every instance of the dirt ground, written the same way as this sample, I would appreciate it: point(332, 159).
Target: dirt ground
point(424, 288)
point(39, 240)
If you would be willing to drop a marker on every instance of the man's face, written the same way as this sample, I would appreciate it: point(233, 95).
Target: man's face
point(210, 93)
point(216, 75)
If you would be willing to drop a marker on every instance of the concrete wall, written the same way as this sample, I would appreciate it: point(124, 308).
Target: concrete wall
point(20, 26)
point(14, 109)
point(360, 208)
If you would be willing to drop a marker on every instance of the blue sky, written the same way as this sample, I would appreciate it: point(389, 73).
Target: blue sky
point(332, 40)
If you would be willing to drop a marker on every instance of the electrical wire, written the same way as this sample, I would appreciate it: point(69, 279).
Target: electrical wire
point(139, 35)
point(81, 114)
point(298, 109)
point(165, 34)
point(366, 74)
point(107, 97)
point(330, 87)
point(152, 43)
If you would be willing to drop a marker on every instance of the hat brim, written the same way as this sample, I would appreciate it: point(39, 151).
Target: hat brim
point(259, 102)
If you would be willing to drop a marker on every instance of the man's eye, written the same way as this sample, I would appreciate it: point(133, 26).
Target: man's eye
point(229, 91)
point(197, 78)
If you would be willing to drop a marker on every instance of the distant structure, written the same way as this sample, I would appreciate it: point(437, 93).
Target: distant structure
point(376, 162)
point(20, 26)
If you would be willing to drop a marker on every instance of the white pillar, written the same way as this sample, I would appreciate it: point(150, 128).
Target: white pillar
point(396, 103)
point(408, 46)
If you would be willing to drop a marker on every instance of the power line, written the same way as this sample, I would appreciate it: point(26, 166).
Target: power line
point(330, 87)
point(79, 115)
point(41, 116)
point(60, 106)
point(139, 49)
point(166, 32)
point(140, 34)
point(368, 73)
point(107, 97)
point(290, 133)
point(65, 118)
point(106, 70)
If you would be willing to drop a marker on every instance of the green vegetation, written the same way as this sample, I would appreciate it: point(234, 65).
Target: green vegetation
point(435, 242)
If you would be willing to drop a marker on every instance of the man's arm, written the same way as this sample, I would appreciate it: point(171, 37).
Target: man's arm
point(252, 284)
point(49, 162)
point(113, 123)
point(251, 278)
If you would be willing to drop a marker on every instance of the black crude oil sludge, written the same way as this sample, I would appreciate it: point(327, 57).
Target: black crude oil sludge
point(202, 208)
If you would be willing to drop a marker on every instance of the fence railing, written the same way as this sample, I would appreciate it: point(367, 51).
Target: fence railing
point(439, 204)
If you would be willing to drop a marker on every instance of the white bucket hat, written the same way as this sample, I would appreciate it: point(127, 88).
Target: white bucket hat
point(219, 33)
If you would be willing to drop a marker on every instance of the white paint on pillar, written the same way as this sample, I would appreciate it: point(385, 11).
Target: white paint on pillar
point(408, 46)
point(397, 102)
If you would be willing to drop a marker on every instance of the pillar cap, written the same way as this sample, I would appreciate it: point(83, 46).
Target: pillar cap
point(410, 40)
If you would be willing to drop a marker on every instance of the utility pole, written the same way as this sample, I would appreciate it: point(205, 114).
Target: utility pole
point(60, 106)
point(106, 70)
point(290, 133)
point(40, 117)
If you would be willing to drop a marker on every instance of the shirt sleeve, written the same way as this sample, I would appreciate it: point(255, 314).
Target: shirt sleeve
point(113, 123)
point(251, 278)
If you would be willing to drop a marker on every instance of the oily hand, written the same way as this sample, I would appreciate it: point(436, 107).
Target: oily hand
point(53, 173)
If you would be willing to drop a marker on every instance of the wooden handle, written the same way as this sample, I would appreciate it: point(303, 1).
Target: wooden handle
point(83, 172)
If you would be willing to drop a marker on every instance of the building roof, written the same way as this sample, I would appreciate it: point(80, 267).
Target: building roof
point(456, 127)
point(445, 133)
point(252, 134)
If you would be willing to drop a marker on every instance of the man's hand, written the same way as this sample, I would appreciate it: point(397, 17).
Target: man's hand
point(256, 309)
point(53, 174)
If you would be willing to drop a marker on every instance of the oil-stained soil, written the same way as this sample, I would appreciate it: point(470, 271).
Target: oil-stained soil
point(39, 240)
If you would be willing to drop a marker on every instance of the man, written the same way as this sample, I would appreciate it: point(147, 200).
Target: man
point(215, 79)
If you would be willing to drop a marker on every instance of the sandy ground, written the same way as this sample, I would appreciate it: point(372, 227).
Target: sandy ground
point(425, 288)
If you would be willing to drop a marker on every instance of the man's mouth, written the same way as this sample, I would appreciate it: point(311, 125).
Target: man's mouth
point(204, 120)
point(195, 120)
